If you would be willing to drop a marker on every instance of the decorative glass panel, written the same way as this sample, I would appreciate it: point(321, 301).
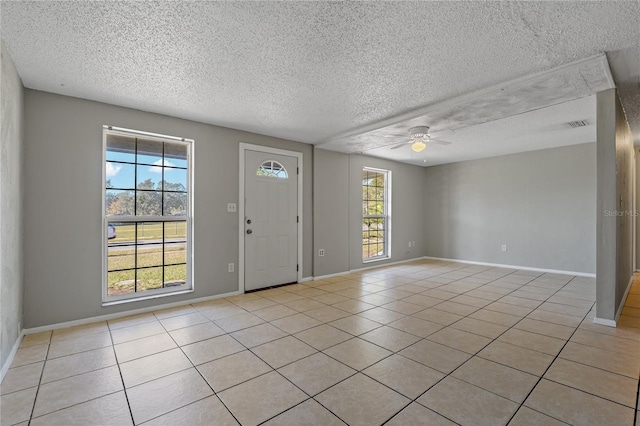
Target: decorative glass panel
point(272, 168)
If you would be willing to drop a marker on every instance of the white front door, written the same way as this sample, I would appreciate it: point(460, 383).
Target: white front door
point(270, 222)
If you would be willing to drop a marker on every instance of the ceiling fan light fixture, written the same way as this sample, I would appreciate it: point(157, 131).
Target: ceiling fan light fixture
point(418, 146)
point(419, 132)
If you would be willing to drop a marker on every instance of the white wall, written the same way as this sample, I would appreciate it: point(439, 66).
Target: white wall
point(63, 190)
point(541, 204)
point(11, 264)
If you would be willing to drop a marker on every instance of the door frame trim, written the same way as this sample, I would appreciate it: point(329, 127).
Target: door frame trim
point(241, 201)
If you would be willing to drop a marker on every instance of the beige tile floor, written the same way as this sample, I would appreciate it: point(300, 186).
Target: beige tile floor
point(427, 342)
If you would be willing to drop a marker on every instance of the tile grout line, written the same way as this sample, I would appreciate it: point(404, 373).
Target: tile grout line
point(199, 373)
point(411, 400)
point(74, 375)
point(159, 352)
point(322, 351)
point(287, 379)
point(124, 387)
point(494, 339)
point(522, 285)
point(357, 314)
point(35, 399)
point(317, 352)
point(549, 366)
point(415, 400)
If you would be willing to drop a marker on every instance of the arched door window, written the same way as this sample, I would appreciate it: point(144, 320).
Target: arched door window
point(272, 168)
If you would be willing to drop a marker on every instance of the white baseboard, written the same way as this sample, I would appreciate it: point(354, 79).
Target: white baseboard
point(382, 265)
point(306, 280)
point(337, 274)
point(614, 322)
point(12, 355)
point(125, 313)
point(525, 268)
point(607, 322)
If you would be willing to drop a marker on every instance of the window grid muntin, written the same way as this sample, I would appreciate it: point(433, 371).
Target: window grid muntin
point(163, 181)
point(370, 186)
point(140, 243)
point(163, 219)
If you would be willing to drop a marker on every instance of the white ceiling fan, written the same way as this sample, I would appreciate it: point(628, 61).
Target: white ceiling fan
point(419, 138)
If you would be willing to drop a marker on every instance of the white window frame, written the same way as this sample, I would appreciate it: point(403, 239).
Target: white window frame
point(386, 216)
point(161, 292)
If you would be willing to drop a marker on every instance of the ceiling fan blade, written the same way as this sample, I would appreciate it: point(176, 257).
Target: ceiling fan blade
point(439, 142)
point(400, 145)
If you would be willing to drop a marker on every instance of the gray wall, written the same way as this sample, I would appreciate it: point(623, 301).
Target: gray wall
point(338, 210)
point(11, 181)
point(331, 212)
point(63, 163)
point(614, 208)
point(541, 204)
point(406, 203)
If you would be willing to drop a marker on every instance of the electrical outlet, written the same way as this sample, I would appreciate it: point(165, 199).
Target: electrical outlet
point(504, 247)
point(409, 243)
point(231, 267)
point(321, 252)
point(231, 207)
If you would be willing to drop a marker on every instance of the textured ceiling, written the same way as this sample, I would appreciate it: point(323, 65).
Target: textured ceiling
point(539, 129)
point(307, 71)
point(517, 97)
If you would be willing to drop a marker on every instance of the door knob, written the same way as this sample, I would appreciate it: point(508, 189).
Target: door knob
point(249, 231)
point(248, 221)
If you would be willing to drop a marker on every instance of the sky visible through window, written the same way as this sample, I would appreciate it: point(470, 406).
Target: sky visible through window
point(122, 175)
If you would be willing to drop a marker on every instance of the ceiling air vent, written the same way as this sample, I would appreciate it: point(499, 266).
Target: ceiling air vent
point(581, 123)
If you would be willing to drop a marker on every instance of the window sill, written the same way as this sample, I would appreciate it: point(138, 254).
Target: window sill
point(149, 297)
point(376, 259)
